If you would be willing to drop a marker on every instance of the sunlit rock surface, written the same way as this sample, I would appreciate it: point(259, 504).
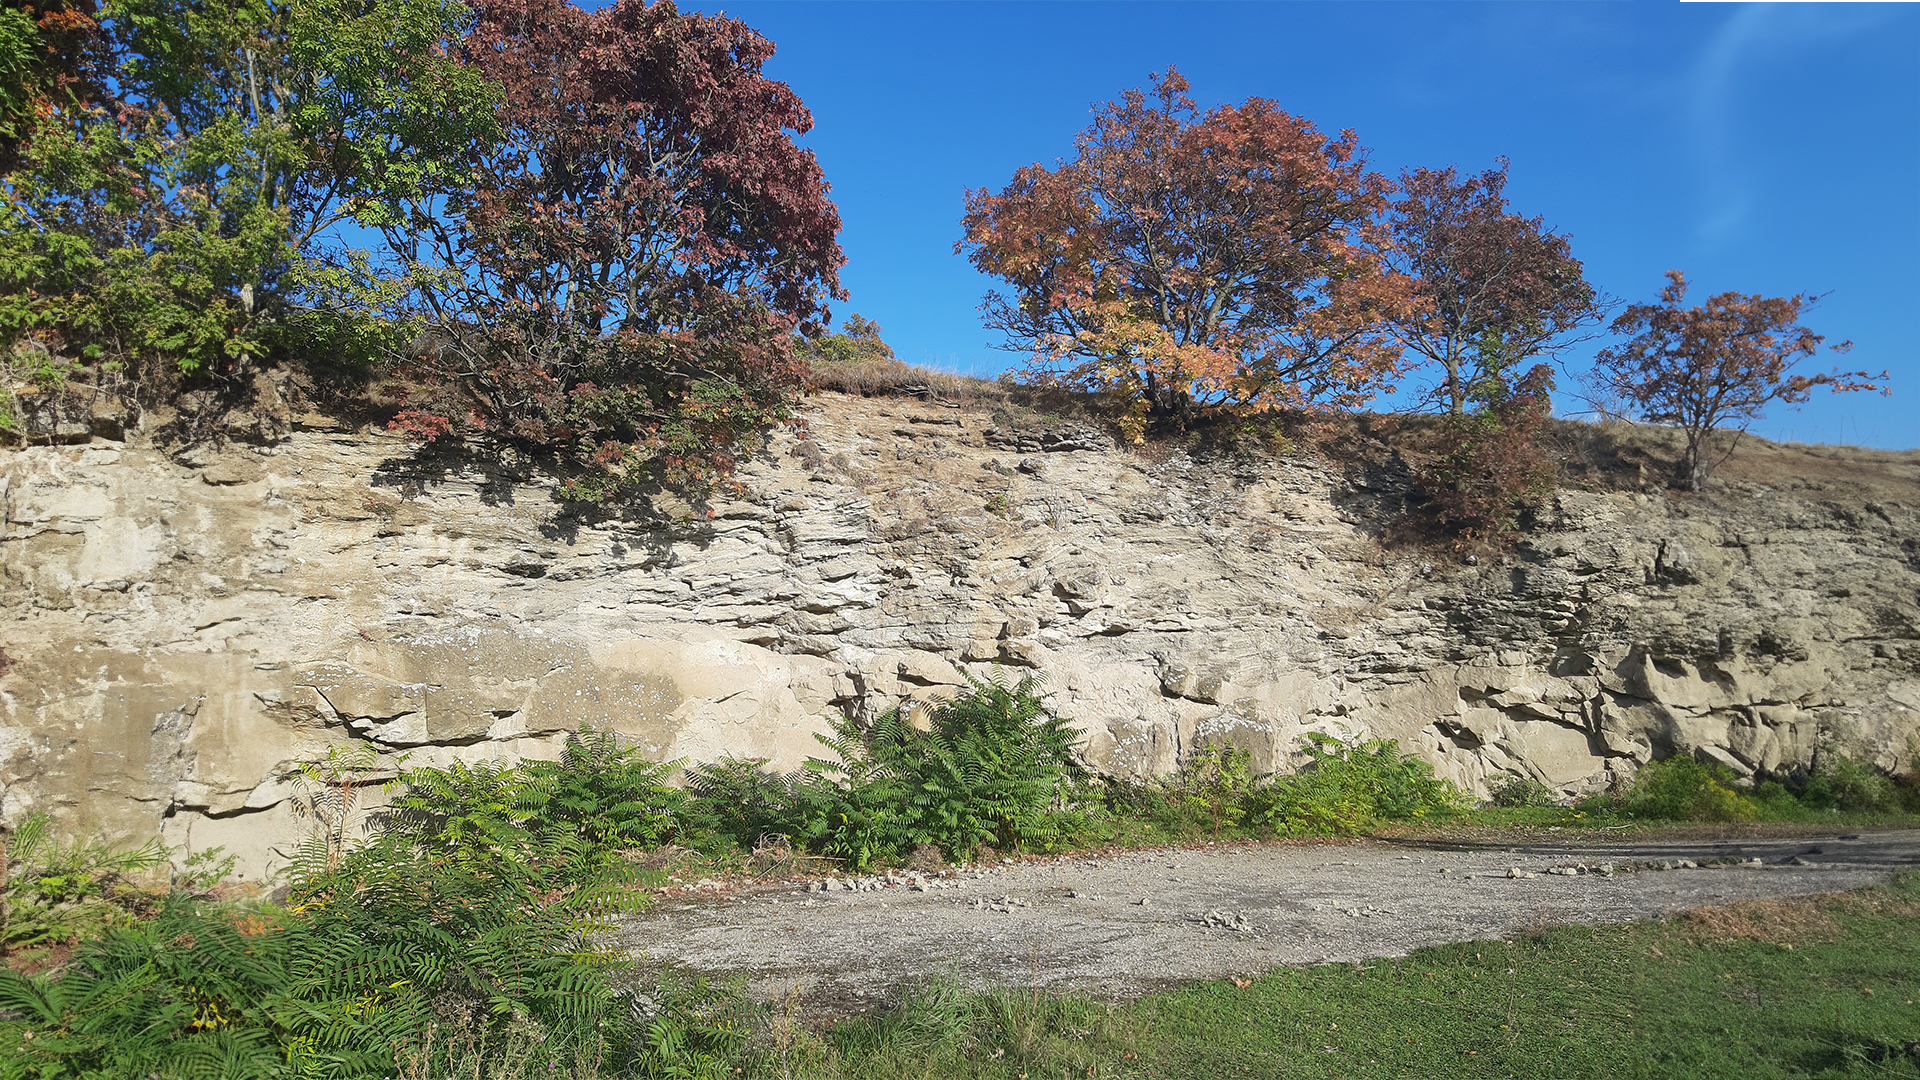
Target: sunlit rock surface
point(178, 638)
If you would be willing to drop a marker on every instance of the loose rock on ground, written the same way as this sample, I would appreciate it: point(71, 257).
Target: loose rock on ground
point(1119, 924)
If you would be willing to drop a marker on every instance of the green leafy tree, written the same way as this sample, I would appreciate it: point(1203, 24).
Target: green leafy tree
point(1496, 288)
point(171, 228)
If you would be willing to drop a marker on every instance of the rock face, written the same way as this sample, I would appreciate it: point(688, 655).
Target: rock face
point(179, 637)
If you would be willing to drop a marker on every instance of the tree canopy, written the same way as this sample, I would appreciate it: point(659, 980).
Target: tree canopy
point(598, 232)
point(1235, 256)
point(1497, 288)
point(621, 272)
point(166, 223)
point(1718, 364)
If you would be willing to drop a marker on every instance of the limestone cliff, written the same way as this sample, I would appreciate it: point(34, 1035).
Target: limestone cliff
point(178, 636)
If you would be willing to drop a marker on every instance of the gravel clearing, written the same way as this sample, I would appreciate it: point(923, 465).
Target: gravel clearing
point(1121, 924)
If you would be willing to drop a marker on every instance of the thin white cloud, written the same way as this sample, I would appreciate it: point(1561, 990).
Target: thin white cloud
point(1724, 68)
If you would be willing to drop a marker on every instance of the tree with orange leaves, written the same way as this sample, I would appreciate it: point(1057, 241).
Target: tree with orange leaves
point(1715, 365)
point(1234, 258)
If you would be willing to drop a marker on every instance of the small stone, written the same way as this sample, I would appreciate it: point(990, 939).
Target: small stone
point(1227, 920)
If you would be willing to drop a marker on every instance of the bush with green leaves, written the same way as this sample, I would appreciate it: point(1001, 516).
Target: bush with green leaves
point(737, 799)
point(1209, 793)
point(371, 954)
point(54, 892)
point(1343, 786)
point(1346, 785)
point(179, 218)
point(1682, 789)
point(477, 928)
point(1839, 782)
point(610, 799)
point(1521, 791)
point(996, 767)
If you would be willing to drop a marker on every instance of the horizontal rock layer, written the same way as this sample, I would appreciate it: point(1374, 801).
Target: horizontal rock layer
point(179, 636)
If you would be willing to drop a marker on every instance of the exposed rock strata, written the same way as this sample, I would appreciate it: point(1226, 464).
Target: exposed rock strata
point(178, 637)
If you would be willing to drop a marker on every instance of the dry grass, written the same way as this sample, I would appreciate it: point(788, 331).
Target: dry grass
point(1779, 922)
point(896, 378)
point(1793, 921)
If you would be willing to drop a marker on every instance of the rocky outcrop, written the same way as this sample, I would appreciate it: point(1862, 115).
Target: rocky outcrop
point(179, 636)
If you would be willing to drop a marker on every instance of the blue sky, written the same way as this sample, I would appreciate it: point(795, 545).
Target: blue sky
point(1768, 148)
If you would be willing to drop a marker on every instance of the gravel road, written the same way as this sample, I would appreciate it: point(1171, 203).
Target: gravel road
point(1117, 925)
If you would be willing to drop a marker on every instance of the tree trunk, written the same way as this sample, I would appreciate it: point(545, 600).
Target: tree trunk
point(1692, 471)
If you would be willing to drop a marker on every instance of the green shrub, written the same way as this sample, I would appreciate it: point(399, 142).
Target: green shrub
point(738, 799)
point(1208, 793)
point(465, 811)
point(1521, 791)
point(471, 937)
point(609, 798)
point(379, 950)
point(1906, 789)
point(1838, 782)
point(54, 892)
point(1682, 789)
point(1776, 801)
point(997, 767)
point(1345, 786)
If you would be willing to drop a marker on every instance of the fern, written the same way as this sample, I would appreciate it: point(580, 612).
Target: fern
point(55, 892)
point(1346, 785)
point(739, 799)
point(996, 767)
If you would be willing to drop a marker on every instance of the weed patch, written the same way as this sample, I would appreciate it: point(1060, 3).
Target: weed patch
point(1780, 922)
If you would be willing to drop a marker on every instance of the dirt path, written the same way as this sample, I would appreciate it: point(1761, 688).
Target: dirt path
point(1123, 924)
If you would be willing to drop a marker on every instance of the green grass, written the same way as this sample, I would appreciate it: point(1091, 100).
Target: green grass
point(1827, 989)
point(1504, 824)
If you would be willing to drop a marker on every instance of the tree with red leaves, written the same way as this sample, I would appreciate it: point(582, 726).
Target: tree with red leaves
point(1716, 365)
point(52, 52)
point(1499, 288)
point(623, 274)
point(1230, 258)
